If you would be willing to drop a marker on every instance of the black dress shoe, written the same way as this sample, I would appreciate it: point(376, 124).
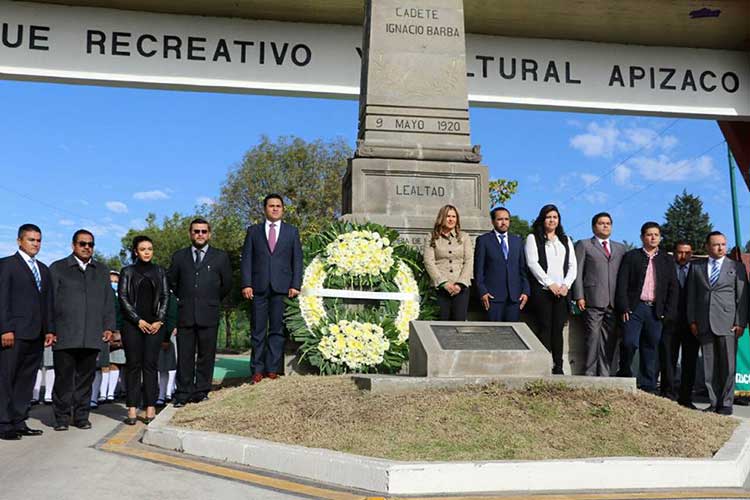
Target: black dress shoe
point(179, 404)
point(688, 405)
point(199, 398)
point(130, 420)
point(147, 420)
point(710, 409)
point(83, 424)
point(61, 427)
point(29, 432)
point(10, 436)
point(724, 411)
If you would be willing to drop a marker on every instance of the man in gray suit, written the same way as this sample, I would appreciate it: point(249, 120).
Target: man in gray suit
point(594, 291)
point(717, 314)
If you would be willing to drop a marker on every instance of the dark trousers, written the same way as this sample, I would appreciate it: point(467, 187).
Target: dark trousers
point(601, 341)
point(142, 354)
point(689, 346)
point(719, 367)
point(74, 374)
point(194, 375)
point(18, 367)
point(669, 351)
point(453, 308)
point(267, 337)
point(551, 314)
point(642, 331)
point(504, 311)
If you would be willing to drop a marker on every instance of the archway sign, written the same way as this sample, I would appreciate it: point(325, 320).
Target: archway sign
point(418, 69)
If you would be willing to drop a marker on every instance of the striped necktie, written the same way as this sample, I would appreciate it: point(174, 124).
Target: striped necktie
point(35, 272)
point(715, 271)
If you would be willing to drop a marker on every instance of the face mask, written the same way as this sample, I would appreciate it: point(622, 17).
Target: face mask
point(114, 286)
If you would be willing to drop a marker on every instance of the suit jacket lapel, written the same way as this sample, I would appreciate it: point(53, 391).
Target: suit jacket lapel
point(29, 274)
point(723, 272)
point(598, 246)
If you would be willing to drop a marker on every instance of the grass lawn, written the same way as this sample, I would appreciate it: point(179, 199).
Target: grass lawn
point(542, 421)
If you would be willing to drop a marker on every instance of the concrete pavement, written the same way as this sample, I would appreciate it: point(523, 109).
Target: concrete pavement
point(67, 466)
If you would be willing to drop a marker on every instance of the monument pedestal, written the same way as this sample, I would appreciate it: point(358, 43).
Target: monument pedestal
point(407, 194)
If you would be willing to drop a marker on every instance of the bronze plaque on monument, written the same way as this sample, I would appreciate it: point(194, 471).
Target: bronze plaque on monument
point(478, 338)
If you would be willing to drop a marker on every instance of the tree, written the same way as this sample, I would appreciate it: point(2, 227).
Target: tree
point(168, 237)
point(113, 262)
point(519, 226)
point(685, 220)
point(501, 191)
point(307, 174)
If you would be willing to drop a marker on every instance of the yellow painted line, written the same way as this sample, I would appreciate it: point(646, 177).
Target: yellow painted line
point(123, 443)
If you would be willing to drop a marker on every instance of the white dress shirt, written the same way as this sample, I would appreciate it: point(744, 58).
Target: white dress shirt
point(26, 259)
point(555, 252)
point(203, 251)
point(83, 265)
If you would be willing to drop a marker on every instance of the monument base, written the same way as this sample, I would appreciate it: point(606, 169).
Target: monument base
point(406, 194)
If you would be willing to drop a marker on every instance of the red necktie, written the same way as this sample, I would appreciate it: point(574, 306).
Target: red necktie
point(606, 249)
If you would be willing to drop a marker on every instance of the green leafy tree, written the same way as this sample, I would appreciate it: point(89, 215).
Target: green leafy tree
point(685, 220)
point(501, 191)
point(168, 236)
point(307, 174)
point(113, 262)
point(519, 226)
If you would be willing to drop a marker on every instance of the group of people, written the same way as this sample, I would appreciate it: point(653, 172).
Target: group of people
point(71, 308)
point(662, 305)
point(643, 300)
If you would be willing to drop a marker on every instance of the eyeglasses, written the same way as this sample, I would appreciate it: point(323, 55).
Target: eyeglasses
point(84, 244)
point(200, 231)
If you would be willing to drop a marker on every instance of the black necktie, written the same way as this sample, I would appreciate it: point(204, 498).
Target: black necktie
point(198, 257)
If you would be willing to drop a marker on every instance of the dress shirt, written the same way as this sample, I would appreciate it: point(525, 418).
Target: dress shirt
point(278, 228)
point(648, 292)
point(710, 265)
point(26, 259)
point(203, 251)
point(601, 244)
point(555, 252)
point(498, 234)
point(680, 278)
point(83, 265)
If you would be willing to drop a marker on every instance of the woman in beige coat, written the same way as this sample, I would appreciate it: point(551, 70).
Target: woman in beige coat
point(449, 260)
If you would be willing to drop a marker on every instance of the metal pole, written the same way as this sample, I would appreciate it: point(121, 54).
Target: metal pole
point(735, 208)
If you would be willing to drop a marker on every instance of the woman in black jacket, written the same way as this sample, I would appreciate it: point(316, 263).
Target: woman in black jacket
point(144, 294)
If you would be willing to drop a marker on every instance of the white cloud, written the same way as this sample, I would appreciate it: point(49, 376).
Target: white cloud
point(66, 222)
point(606, 139)
point(589, 179)
point(156, 194)
point(596, 197)
point(663, 168)
point(117, 207)
point(205, 200)
point(622, 175)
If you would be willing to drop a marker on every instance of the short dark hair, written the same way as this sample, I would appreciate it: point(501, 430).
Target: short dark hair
point(681, 243)
point(598, 216)
point(272, 196)
point(27, 228)
point(714, 233)
point(80, 232)
point(496, 210)
point(137, 241)
point(650, 225)
point(199, 220)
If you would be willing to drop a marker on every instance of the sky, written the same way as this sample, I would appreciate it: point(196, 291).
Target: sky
point(102, 158)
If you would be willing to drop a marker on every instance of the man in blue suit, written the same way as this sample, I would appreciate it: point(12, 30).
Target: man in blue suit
point(271, 271)
point(26, 327)
point(500, 270)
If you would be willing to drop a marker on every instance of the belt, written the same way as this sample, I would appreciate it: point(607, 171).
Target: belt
point(649, 304)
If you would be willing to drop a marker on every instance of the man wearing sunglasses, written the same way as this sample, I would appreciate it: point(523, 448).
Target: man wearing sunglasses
point(85, 320)
point(200, 276)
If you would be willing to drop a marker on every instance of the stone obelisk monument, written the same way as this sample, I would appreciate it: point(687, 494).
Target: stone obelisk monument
point(414, 152)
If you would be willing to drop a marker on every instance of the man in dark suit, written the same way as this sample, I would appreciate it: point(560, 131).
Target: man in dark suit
point(26, 327)
point(647, 293)
point(500, 270)
point(271, 271)
point(676, 337)
point(594, 290)
point(200, 276)
point(717, 314)
point(85, 319)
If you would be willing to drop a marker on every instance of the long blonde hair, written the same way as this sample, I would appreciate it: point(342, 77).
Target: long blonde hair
point(442, 215)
